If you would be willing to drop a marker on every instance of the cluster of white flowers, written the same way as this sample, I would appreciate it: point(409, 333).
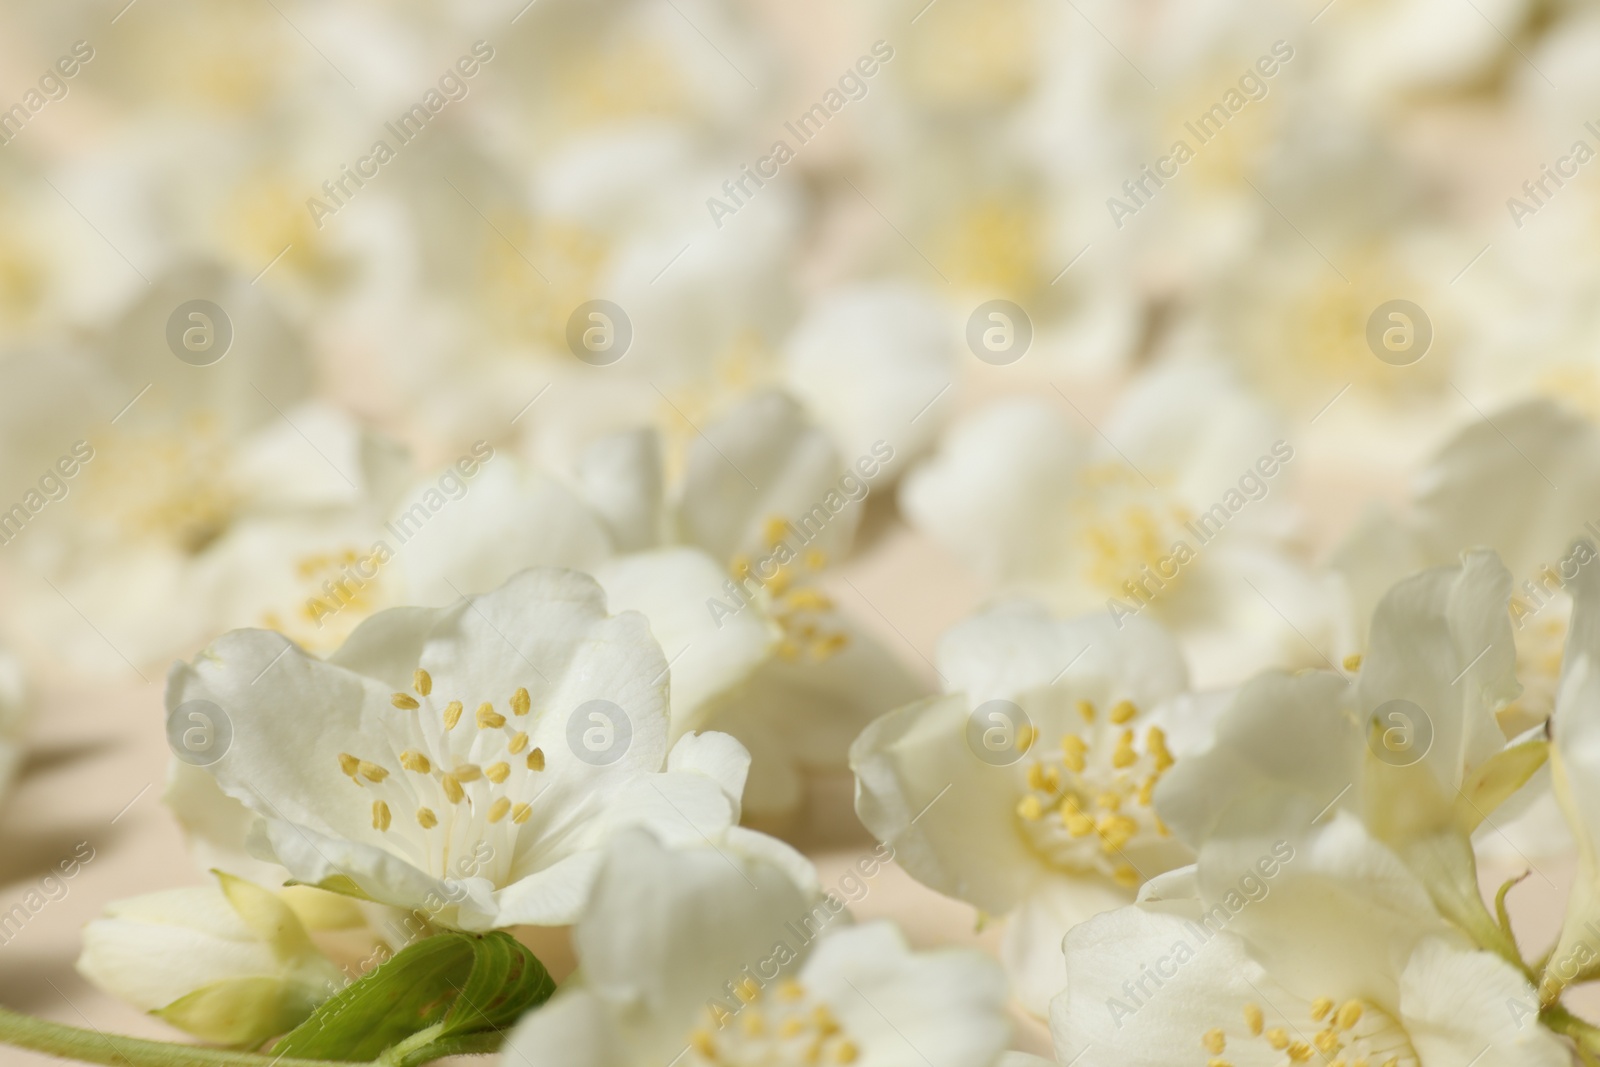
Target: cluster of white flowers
point(1148, 451)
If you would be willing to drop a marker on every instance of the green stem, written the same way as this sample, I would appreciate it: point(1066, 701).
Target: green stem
point(421, 1047)
point(93, 1046)
point(1585, 1035)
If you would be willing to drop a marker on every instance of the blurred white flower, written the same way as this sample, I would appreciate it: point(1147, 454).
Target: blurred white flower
point(230, 963)
point(1174, 505)
point(716, 959)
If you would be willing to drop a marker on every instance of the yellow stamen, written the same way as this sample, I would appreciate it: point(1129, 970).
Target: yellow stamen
point(349, 764)
point(519, 741)
point(520, 703)
point(1349, 1015)
point(1214, 1041)
point(1320, 1008)
point(422, 682)
point(452, 789)
point(536, 760)
point(1254, 1019)
point(1086, 709)
point(497, 772)
point(380, 815)
point(412, 760)
point(426, 818)
point(372, 772)
point(1123, 711)
point(520, 813)
point(498, 809)
point(404, 701)
point(467, 772)
point(452, 714)
point(1030, 808)
point(1352, 662)
point(1073, 750)
point(488, 718)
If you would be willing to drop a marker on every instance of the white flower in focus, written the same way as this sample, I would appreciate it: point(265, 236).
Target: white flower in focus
point(229, 963)
point(1318, 947)
point(467, 761)
point(1068, 829)
point(705, 959)
point(1411, 746)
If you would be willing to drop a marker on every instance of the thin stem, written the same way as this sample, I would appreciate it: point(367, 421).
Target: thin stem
point(1585, 1035)
point(94, 1046)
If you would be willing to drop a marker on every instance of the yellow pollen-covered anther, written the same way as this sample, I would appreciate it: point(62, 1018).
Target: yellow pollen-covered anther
point(422, 682)
point(1123, 711)
point(1155, 742)
point(497, 772)
point(380, 815)
point(372, 772)
point(404, 701)
point(1254, 1019)
point(1349, 1014)
point(499, 809)
point(1320, 1008)
point(426, 818)
point(1352, 662)
point(1214, 1041)
point(349, 764)
point(519, 741)
point(1086, 710)
point(412, 760)
point(452, 789)
point(536, 760)
point(452, 714)
point(467, 772)
point(520, 703)
point(1030, 807)
point(488, 718)
point(1278, 1038)
point(1073, 751)
point(520, 813)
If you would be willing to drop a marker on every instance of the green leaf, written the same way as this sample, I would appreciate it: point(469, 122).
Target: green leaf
point(452, 983)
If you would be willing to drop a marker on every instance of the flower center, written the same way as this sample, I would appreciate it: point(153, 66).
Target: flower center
point(790, 1029)
point(461, 779)
point(1352, 1034)
point(341, 588)
point(1084, 806)
point(801, 610)
point(1127, 529)
point(172, 486)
